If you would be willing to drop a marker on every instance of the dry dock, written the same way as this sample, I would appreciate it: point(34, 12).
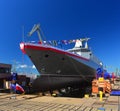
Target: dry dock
point(48, 103)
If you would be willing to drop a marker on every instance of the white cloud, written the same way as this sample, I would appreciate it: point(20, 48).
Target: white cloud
point(22, 66)
point(33, 67)
point(26, 66)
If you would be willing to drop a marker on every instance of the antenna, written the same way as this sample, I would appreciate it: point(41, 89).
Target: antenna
point(23, 33)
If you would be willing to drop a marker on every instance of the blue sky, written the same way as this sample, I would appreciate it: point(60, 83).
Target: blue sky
point(61, 19)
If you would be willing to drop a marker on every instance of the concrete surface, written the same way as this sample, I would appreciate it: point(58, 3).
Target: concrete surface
point(48, 103)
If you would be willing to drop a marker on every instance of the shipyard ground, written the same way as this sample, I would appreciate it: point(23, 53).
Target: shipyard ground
point(48, 103)
point(37, 102)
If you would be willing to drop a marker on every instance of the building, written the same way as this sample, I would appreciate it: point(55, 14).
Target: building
point(5, 74)
point(6, 77)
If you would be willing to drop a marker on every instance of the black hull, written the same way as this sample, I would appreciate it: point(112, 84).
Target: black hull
point(49, 83)
point(59, 69)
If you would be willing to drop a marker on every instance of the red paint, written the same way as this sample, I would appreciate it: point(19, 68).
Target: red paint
point(41, 47)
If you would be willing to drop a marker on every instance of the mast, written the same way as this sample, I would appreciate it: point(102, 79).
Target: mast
point(79, 42)
point(86, 44)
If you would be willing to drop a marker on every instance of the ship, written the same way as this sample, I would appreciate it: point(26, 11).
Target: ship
point(69, 69)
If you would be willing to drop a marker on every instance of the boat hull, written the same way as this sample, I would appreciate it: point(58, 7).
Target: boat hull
point(59, 68)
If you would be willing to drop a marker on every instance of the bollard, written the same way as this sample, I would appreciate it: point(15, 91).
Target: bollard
point(101, 95)
point(86, 95)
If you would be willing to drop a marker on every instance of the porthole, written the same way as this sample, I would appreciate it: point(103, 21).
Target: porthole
point(46, 55)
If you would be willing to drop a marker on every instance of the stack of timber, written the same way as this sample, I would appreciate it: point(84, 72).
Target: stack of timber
point(101, 85)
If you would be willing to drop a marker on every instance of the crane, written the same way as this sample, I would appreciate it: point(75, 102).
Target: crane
point(36, 27)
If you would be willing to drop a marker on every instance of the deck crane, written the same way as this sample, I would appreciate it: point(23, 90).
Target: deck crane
point(36, 27)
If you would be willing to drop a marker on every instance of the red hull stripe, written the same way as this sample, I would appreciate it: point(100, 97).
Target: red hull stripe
point(52, 49)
